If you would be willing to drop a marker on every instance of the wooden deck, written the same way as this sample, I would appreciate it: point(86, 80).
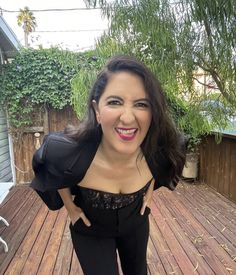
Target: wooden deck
point(193, 231)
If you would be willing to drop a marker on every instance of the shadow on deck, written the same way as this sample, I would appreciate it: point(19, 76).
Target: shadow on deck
point(192, 231)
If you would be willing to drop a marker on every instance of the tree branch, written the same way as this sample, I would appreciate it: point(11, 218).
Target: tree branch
point(204, 84)
point(219, 82)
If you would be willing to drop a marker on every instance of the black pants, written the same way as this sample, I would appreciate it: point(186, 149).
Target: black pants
point(123, 230)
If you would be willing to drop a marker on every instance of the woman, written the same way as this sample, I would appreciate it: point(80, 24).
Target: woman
point(124, 149)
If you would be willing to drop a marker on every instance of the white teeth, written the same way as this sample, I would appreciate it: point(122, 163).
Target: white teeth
point(126, 132)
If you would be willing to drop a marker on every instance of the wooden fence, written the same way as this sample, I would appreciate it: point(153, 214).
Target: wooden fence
point(218, 165)
point(49, 121)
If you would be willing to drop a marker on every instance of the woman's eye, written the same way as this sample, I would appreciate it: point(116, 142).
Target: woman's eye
point(142, 105)
point(113, 102)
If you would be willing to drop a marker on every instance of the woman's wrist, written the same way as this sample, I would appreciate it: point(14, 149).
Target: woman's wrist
point(70, 207)
point(67, 199)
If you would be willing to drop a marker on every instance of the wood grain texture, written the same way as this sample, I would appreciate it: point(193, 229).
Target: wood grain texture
point(25, 146)
point(218, 165)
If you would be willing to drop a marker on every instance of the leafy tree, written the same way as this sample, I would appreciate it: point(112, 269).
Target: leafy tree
point(128, 34)
point(83, 80)
point(27, 20)
point(176, 39)
point(210, 42)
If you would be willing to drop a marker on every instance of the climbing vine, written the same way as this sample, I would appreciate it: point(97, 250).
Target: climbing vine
point(36, 79)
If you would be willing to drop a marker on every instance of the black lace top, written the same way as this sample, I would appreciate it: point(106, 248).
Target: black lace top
point(107, 200)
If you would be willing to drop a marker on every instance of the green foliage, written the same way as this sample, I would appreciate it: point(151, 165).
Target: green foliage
point(176, 39)
point(81, 84)
point(212, 37)
point(85, 77)
point(83, 80)
point(37, 78)
point(194, 126)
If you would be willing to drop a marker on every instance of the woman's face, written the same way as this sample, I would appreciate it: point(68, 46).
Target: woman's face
point(124, 113)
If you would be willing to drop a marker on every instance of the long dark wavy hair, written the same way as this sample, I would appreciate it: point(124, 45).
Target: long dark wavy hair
point(163, 146)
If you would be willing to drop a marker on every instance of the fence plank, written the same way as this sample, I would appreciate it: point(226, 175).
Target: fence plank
point(217, 165)
point(54, 120)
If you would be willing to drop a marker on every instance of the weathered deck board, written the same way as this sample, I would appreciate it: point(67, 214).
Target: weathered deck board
point(64, 257)
point(50, 254)
point(19, 226)
point(22, 254)
point(222, 231)
point(192, 231)
point(200, 239)
point(189, 250)
point(167, 258)
point(15, 200)
point(214, 215)
point(167, 229)
point(154, 261)
point(35, 257)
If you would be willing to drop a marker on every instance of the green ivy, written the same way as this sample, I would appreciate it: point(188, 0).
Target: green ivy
point(38, 78)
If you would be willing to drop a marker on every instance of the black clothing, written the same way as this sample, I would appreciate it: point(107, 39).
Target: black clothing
point(104, 222)
point(124, 229)
point(106, 200)
point(116, 222)
point(61, 162)
point(97, 255)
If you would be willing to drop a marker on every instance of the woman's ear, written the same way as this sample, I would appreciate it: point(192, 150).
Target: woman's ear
point(95, 107)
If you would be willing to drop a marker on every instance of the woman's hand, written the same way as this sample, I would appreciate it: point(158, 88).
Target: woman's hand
point(76, 214)
point(147, 198)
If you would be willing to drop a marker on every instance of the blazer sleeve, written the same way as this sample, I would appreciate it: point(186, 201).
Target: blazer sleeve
point(51, 165)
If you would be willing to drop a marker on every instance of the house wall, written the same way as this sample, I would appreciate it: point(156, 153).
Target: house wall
point(5, 160)
point(9, 46)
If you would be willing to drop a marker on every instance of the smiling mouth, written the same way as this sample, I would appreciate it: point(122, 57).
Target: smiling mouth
point(126, 134)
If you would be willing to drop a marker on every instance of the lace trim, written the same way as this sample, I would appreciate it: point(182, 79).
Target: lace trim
point(106, 200)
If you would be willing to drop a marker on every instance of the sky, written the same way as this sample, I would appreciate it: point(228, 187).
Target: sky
point(82, 27)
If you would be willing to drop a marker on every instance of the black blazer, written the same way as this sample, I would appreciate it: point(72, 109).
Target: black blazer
point(61, 162)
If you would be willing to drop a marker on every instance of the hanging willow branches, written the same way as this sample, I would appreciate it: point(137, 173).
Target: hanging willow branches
point(179, 36)
point(217, 52)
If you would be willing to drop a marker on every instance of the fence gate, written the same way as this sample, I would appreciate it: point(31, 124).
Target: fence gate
point(48, 120)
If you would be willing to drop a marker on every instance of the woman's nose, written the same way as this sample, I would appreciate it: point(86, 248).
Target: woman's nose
point(127, 116)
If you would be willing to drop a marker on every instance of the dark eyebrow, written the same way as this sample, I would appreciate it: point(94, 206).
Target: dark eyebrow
point(142, 99)
point(119, 98)
point(114, 97)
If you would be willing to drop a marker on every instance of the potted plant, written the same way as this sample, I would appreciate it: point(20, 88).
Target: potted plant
point(195, 125)
point(190, 170)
